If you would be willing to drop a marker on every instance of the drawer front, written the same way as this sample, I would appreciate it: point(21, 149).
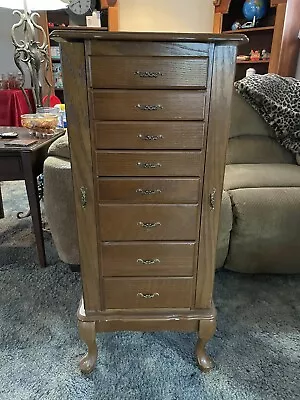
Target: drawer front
point(148, 293)
point(155, 163)
point(133, 105)
point(148, 222)
point(148, 72)
point(148, 259)
point(146, 48)
point(149, 190)
point(149, 135)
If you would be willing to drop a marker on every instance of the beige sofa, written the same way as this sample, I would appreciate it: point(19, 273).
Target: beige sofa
point(260, 213)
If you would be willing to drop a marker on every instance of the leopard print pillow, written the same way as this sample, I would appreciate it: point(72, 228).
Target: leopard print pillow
point(277, 100)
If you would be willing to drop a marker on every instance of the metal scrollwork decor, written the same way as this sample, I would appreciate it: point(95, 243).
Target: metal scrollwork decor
point(31, 52)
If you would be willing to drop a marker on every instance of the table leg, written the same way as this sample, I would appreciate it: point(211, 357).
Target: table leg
point(1, 205)
point(34, 204)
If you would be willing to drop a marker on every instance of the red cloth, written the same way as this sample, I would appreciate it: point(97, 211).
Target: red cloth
point(13, 105)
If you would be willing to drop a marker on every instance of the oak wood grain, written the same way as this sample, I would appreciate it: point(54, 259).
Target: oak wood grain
point(158, 292)
point(125, 222)
point(149, 190)
point(148, 105)
point(148, 72)
point(217, 138)
point(148, 258)
point(73, 62)
point(150, 49)
point(145, 135)
point(150, 163)
point(148, 326)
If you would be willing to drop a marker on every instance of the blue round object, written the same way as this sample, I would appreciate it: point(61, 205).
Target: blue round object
point(254, 8)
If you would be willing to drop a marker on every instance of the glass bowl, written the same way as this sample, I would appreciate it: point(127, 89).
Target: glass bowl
point(40, 123)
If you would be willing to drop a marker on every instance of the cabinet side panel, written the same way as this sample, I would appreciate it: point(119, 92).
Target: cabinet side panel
point(218, 129)
point(73, 61)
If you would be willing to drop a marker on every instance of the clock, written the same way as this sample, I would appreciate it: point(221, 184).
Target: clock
point(82, 7)
point(79, 9)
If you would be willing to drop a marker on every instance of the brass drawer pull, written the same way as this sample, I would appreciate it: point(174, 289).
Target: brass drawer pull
point(148, 74)
point(83, 197)
point(148, 225)
point(148, 165)
point(148, 262)
point(212, 199)
point(146, 192)
point(149, 107)
point(148, 295)
point(150, 137)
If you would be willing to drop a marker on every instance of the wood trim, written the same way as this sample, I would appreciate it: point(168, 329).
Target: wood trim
point(218, 22)
point(275, 3)
point(290, 43)
point(73, 62)
point(113, 19)
point(223, 8)
point(219, 122)
point(43, 22)
point(277, 39)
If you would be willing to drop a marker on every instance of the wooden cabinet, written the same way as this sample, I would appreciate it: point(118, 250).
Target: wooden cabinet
point(277, 33)
point(148, 118)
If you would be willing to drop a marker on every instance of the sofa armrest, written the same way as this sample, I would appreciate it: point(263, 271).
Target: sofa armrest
point(60, 148)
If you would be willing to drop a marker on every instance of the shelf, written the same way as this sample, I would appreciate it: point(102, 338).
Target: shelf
point(253, 62)
point(260, 28)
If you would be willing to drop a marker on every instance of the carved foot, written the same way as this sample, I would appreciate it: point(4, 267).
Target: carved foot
point(206, 331)
point(87, 333)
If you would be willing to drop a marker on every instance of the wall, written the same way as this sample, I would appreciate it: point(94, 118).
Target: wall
point(166, 15)
point(7, 19)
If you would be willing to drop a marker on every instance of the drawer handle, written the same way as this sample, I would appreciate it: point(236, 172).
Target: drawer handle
point(147, 295)
point(150, 137)
point(148, 262)
point(148, 165)
point(149, 107)
point(149, 225)
point(83, 197)
point(146, 192)
point(212, 199)
point(148, 74)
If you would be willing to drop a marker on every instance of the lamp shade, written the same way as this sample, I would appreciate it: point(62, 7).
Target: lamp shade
point(34, 4)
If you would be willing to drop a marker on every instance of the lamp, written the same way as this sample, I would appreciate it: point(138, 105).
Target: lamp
point(29, 50)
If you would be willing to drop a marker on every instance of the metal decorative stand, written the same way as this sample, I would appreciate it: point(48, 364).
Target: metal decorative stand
point(32, 53)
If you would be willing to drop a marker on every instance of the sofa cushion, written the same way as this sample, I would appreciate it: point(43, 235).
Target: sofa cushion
point(239, 176)
point(254, 149)
point(60, 147)
point(265, 235)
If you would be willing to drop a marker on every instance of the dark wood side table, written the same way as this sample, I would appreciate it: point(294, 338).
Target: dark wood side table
point(18, 163)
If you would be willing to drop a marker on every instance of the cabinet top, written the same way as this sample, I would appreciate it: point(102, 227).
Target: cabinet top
point(78, 34)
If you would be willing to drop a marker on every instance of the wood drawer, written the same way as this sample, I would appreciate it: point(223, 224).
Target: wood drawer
point(149, 135)
point(148, 222)
point(150, 163)
point(148, 259)
point(146, 47)
point(148, 105)
point(148, 190)
point(148, 72)
point(148, 293)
